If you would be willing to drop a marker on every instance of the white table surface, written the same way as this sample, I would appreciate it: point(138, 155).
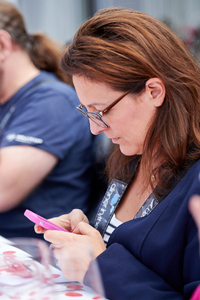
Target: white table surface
point(65, 289)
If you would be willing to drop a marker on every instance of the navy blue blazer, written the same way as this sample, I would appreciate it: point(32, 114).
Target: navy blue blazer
point(157, 256)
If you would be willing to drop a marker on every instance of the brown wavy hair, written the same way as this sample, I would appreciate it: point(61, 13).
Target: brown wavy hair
point(44, 52)
point(124, 48)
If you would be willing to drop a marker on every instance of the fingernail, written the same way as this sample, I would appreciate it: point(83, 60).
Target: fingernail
point(38, 229)
point(73, 229)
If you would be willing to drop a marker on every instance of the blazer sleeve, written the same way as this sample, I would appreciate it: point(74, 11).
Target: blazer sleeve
point(129, 278)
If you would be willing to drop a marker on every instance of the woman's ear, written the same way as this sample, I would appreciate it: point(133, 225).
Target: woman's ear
point(157, 91)
point(6, 45)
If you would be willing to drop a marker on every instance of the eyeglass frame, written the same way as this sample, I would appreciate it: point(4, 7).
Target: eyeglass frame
point(100, 114)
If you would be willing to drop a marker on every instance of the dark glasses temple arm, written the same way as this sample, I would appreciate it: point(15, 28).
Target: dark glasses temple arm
point(115, 102)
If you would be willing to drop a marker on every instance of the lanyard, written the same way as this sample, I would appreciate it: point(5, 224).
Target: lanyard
point(111, 200)
point(114, 194)
point(108, 205)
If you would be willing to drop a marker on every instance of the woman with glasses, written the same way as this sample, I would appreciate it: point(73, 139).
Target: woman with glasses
point(138, 84)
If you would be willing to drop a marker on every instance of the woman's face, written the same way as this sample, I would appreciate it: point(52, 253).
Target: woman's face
point(128, 120)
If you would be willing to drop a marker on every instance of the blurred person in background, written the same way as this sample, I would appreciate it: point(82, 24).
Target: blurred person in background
point(137, 83)
point(45, 145)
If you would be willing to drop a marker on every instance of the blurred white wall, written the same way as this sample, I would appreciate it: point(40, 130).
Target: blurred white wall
point(59, 19)
point(179, 12)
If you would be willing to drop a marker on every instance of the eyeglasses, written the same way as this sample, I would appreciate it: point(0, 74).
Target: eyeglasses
point(97, 117)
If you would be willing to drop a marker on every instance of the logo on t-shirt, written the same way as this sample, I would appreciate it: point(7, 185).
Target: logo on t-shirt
point(23, 139)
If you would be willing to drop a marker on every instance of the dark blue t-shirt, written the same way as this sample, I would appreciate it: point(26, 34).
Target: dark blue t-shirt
point(45, 117)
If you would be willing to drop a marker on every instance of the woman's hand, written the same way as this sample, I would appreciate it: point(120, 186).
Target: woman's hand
point(68, 221)
point(75, 251)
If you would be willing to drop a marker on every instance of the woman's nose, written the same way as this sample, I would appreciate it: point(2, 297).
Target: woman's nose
point(95, 128)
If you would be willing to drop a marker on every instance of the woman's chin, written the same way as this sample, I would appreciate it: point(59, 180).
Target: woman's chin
point(129, 151)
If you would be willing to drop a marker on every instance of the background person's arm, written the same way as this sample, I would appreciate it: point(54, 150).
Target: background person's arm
point(22, 168)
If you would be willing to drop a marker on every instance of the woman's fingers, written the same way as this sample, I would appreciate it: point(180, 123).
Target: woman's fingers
point(94, 237)
point(60, 221)
point(57, 237)
point(67, 221)
point(75, 251)
point(73, 258)
point(39, 229)
point(77, 216)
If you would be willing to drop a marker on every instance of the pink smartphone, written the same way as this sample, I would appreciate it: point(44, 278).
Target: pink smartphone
point(42, 221)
